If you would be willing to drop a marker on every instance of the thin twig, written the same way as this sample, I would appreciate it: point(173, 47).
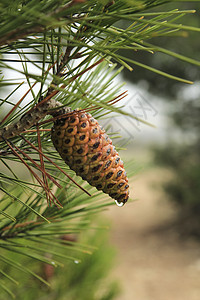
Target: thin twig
point(42, 165)
point(35, 130)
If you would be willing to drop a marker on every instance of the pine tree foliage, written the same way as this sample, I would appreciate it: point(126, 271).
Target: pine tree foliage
point(57, 54)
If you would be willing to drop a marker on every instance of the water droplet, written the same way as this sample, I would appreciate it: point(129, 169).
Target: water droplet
point(76, 261)
point(120, 204)
point(53, 263)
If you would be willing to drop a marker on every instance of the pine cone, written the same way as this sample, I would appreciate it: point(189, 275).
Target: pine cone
point(87, 149)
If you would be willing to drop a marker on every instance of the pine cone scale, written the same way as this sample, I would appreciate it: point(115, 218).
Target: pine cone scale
point(88, 150)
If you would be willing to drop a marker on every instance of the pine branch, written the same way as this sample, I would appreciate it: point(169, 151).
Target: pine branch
point(71, 45)
point(53, 22)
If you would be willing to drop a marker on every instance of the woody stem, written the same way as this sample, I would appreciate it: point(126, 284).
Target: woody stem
point(31, 118)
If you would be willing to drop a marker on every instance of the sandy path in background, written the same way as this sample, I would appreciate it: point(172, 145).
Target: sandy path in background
point(151, 264)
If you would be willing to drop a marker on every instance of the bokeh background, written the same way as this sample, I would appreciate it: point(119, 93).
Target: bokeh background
point(157, 235)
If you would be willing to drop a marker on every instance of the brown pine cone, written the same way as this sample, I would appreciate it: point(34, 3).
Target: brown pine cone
point(87, 149)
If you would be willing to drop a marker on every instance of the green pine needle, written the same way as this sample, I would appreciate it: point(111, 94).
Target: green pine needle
point(57, 45)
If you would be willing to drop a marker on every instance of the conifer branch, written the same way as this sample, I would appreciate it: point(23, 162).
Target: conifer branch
point(47, 106)
point(71, 45)
point(20, 33)
point(29, 119)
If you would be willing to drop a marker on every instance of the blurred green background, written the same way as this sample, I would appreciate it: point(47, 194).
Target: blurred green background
point(159, 249)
